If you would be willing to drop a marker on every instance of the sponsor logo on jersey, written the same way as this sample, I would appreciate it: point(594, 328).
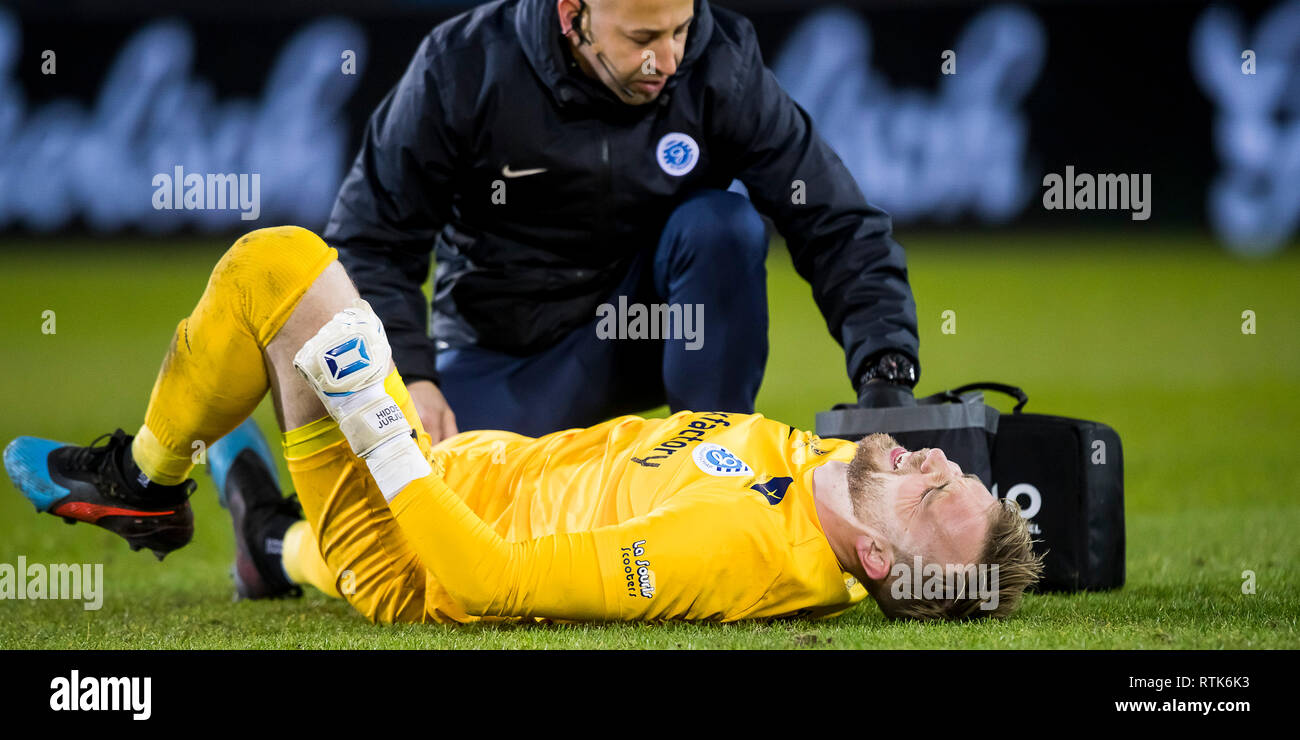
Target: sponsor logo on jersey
point(677, 154)
point(774, 489)
point(718, 460)
point(694, 432)
point(636, 570)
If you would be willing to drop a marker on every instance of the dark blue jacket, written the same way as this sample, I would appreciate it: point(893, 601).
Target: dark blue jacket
point(497, 87)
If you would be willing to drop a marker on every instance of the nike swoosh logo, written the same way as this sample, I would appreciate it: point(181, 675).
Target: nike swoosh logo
point(520, 173)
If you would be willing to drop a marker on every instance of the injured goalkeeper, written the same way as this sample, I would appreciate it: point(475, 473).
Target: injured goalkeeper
point(700, 516)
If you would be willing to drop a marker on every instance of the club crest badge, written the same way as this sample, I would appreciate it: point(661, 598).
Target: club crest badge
point(677, 154)
point(718, 460)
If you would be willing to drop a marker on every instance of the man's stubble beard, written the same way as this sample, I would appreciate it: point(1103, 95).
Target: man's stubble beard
point(866, 488)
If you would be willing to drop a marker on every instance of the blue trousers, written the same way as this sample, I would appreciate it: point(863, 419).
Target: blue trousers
point(711, 253)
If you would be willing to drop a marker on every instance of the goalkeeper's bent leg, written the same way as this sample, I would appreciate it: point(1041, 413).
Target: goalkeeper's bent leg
point(214, 375)
point(352, 546)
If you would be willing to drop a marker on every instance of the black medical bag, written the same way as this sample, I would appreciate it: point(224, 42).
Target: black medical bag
point(1067, 475)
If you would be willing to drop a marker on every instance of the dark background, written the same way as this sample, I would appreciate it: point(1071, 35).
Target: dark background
point(1116, 92)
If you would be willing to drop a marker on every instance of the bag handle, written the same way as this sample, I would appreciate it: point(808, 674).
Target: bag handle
point(1010, 390)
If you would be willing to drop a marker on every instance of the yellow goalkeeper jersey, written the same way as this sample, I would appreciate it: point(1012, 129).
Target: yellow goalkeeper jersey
point(700, 516)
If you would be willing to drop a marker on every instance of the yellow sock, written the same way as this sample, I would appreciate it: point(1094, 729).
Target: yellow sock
point(213, 375)
point(303, 562)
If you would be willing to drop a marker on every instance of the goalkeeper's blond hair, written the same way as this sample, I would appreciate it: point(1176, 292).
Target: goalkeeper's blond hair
point(1008, 548)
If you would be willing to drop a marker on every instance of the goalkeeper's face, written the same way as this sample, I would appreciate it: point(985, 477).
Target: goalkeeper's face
point(919, 500)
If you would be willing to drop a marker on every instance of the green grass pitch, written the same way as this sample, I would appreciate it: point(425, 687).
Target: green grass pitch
point(1144, 335)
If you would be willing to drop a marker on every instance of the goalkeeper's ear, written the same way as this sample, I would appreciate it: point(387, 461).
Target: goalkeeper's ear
point(874, 555)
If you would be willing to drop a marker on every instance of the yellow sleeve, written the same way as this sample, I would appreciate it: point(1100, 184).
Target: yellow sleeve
point(700, 556)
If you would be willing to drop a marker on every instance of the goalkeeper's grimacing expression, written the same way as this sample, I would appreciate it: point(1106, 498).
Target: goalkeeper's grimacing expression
point(920, 501)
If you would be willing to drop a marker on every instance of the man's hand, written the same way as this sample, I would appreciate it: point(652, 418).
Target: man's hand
point(434, 412)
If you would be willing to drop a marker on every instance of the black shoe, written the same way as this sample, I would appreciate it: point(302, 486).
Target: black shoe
point(260, 516)
point(96, 485)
